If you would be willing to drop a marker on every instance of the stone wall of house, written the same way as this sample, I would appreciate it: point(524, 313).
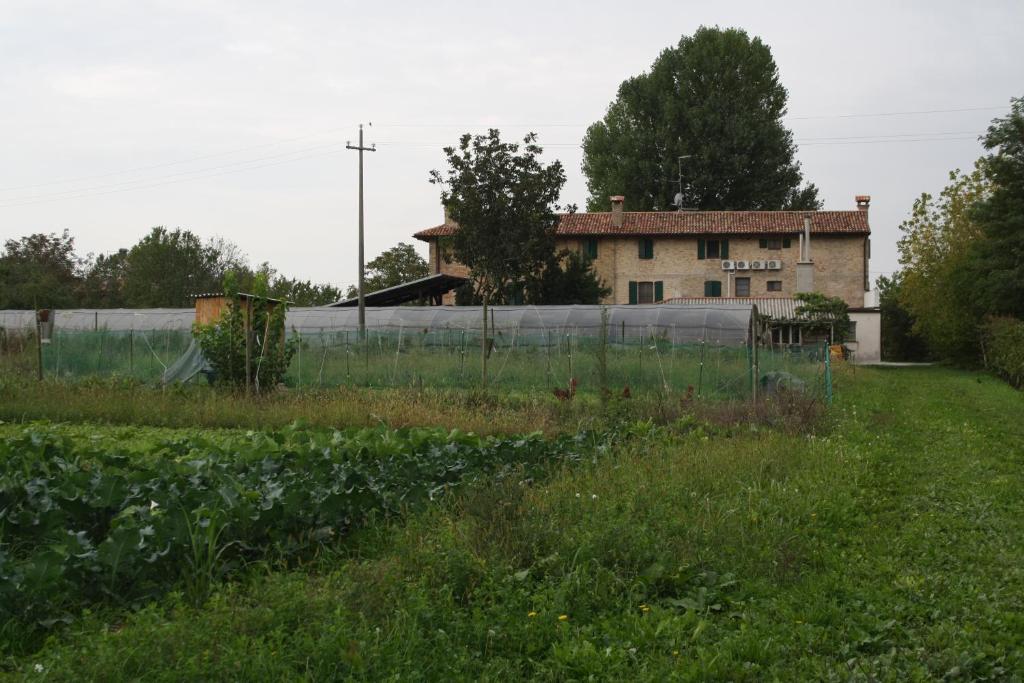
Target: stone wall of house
point(840, 266)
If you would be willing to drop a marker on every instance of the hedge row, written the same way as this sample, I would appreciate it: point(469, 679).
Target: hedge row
point(1004, 348)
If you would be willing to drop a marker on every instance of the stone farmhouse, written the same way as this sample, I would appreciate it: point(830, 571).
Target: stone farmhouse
point(655, 256)
point(652, 256)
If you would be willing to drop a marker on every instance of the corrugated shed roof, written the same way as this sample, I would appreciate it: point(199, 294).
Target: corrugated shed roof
point(672, 223)
point(776, 308)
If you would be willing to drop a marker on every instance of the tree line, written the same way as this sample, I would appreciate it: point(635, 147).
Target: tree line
point(165, 268)
point(959, 293)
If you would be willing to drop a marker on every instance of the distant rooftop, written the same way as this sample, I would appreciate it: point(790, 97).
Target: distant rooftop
point(671, 223)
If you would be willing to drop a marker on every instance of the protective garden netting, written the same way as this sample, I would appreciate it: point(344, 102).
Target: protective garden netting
point(714, 351)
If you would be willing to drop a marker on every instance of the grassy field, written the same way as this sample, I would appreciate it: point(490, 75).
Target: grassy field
point(884, 543)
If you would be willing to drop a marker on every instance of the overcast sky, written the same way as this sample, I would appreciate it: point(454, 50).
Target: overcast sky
point(230, 118)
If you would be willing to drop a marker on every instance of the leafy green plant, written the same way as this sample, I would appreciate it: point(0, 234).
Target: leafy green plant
point(86, 520)
point(1003, 347)
point(826, 315)
point(254, 354)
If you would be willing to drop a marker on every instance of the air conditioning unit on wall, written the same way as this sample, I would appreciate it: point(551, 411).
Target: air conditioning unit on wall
point(757, 265)
point(728, 265)
point(774, 265)
point(743, 265)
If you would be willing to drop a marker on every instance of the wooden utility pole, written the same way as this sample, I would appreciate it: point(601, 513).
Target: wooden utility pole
point(362, 298)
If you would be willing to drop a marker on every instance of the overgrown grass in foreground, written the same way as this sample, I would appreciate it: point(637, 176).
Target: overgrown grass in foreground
point(492, 412)
point(889, 548)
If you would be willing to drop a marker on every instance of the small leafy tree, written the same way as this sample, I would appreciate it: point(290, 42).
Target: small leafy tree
point(825, 314)
point(503, 200)
point(568, 278)
point(224, 341)
point(398, 264)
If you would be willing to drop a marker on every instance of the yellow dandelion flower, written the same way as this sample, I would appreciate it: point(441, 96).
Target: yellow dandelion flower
point(531, 614)
point(645, 608)
point(563, 617)
point(675, 653)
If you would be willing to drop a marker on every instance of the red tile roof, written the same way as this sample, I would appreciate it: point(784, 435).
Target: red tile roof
point(671, 223)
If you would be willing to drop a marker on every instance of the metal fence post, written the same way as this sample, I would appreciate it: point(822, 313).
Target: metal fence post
point(828, 374)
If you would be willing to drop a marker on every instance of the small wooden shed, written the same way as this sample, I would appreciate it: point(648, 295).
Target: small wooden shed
point(210, 307)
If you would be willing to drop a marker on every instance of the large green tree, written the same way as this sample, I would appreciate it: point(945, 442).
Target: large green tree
point(715, 98)
point(504, 200)
point(39, 271)
point(994, 269)
point(168, 267)
point(103, 280)
point(392, 267)
point(935, 250)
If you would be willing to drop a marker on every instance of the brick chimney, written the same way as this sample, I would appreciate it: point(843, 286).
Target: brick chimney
point(617, 202)
point(863, 201)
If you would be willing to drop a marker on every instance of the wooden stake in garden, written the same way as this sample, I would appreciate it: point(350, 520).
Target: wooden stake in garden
point(483, 348)
point(39, 347)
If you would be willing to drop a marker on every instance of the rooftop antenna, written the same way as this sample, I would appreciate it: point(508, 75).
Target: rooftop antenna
point(678, 201)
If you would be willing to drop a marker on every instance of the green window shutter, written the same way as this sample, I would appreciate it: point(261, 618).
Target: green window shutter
point(708, 288)
point(725, 249)
point(646, 248)
point(632, 292)
point(701, 249)
point(659, 291)
point(716, 288)
point(763, 244)
point(785, 243)
point(591, 247)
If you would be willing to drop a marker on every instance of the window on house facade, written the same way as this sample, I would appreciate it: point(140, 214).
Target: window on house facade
point(775, 285)
point(646, 248)
point(712, 288)
point(851, 331)
point(786, 334)
point(743, 286)
point(590, 247)
point(775, 243)
point(646, 292)
point(712, 249)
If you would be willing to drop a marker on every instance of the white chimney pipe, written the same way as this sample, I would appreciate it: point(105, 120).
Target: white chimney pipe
point(807, 238)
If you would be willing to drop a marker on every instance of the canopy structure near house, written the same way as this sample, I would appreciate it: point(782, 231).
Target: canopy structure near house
point(428, 289)
point(776, 309)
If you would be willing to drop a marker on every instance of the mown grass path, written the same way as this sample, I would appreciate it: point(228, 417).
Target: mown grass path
point(888, 547)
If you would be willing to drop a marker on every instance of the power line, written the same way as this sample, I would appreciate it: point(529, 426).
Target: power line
point(875, 142)
point(169, 163)
point(921, 112)
point(201, 174)
point(172, 182)
point(246, 162)
point(431, 125)
point(894, 113)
